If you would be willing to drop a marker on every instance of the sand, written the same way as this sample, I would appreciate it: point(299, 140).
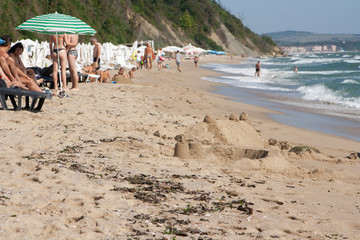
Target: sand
point(100, 165)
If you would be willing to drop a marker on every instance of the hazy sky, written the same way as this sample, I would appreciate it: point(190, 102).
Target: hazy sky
point(317, 16)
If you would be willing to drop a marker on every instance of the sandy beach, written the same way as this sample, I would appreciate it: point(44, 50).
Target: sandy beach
point(100, 164)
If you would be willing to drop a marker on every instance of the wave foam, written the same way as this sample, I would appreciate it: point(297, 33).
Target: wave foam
point(323, 94)
point(350, 81)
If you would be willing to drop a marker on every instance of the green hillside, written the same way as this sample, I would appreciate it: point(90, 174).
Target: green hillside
point(121, 21)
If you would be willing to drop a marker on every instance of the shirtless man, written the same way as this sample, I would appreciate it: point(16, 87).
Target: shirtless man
point(14, 74)
point(257, 68)
point(71, 41)
point(58, 50)
point(97, 53)
point(148, 55)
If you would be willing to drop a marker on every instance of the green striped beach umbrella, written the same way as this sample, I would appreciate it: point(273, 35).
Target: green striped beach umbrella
point(56, 23)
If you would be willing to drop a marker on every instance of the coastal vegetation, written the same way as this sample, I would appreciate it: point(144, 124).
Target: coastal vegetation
point(204, 23)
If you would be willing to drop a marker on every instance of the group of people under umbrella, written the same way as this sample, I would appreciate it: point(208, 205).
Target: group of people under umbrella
point(63, 30)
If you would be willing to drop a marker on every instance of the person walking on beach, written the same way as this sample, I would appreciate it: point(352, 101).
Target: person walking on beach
point(71, 41)
point(97, 53)
point(148, 56)
point(159, 58)
point(138, 59)
point(196, 60)
point(178, 60)
point(257, 69)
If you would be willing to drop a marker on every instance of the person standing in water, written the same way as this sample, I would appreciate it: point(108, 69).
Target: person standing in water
point(257, 69)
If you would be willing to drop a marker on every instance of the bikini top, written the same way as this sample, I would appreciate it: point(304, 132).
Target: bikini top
point(55, 39)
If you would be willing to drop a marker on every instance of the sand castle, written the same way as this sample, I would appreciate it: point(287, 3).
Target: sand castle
point(232, 139)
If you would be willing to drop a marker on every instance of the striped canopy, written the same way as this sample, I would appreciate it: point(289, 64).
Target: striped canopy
point(56, 23)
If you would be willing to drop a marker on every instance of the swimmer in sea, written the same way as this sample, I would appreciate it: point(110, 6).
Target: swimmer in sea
point(257, 69)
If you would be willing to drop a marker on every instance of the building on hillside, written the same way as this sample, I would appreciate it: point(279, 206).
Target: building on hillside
point(333, 48)
point(317, 48)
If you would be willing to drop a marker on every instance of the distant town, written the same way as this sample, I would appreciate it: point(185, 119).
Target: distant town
point(315, 48)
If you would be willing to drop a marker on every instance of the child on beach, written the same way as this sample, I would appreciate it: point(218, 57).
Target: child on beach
point(132, 73)
point(196, 60)
point(178, 60)
point(159, 58)
point(143, 62)
point(139, 59)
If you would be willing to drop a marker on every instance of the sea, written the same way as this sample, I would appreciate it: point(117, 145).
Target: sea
point(324, 95)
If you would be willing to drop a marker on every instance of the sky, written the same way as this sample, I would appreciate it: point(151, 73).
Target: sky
point(317, 16)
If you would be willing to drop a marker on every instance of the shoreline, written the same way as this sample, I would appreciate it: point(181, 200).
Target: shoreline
point(289, 114)
point(296, 116)
point(100, 164)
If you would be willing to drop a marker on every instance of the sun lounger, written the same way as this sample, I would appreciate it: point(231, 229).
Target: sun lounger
point(45, 73)
point(37, 98)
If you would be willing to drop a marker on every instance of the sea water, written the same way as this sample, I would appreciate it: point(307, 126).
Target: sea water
point(326, 84)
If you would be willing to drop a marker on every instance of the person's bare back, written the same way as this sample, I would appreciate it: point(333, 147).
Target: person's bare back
point(72, 54)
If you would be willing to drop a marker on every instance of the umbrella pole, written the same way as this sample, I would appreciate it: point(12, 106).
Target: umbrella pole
point(59, 68)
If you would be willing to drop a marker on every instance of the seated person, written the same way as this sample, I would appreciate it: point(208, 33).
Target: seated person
point(5, 78)
point(122, 73)
point(15, 52)
point(104, 75)
point(48, 61)
point(132, 73)
point(16, 76)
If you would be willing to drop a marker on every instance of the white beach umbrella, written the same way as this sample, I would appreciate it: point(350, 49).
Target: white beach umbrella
point(172, 49)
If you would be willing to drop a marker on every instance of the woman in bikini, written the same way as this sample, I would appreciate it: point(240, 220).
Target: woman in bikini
point(57, 47)
point(15, 52)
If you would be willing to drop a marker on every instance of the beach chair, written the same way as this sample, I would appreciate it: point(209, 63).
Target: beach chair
point(45, 73)
point(37, 98)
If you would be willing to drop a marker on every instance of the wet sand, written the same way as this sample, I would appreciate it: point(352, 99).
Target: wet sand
point(301, 117)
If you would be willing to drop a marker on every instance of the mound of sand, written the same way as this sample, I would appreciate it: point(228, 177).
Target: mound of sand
point(237, 133)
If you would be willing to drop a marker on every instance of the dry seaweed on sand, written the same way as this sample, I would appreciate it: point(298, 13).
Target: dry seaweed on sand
point(300, 149)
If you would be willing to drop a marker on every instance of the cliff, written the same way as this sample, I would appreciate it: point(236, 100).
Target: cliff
point(203, 23)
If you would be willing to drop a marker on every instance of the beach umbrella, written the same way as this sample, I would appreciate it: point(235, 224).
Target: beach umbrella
point(54, 24)
point(172, 49)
